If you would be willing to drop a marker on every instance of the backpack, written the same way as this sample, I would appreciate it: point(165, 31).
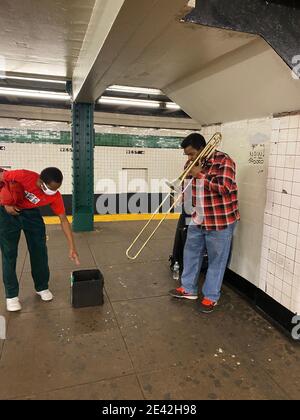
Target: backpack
point(179, 244)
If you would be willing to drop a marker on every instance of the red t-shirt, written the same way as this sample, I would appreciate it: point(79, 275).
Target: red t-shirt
point(34, 196)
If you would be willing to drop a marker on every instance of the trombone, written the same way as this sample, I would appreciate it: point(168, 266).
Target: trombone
point(176, 185)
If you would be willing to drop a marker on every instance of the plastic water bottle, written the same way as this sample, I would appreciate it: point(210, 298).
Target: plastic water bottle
point(176, 274)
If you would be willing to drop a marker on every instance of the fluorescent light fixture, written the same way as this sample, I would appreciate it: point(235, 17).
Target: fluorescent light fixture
point(106, 100)
point(172, 105)
point(33, 79)
point(129, 102)
point(131, 89)
point(27, 93)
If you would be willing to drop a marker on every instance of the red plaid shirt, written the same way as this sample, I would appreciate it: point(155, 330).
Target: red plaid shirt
point(219, 197)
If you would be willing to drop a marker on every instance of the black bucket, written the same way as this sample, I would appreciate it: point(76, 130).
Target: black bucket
point(87, 288)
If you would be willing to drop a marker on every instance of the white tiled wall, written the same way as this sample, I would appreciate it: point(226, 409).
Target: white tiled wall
point(280, 265)
point(277, 236)
point(109, 161)
point(36, 157)
point(160, 163)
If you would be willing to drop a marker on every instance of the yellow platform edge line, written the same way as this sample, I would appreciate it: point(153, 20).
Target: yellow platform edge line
point(53, 220)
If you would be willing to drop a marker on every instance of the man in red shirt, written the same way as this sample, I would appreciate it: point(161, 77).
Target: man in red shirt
point(23, 214)
point(213, 222)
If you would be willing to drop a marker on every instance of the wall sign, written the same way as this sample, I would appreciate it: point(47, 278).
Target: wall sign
point(257, 155)
point(135, 152)
point(66, 149)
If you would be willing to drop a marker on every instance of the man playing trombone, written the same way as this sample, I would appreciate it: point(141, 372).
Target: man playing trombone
point(215, 202)
point(199, 144)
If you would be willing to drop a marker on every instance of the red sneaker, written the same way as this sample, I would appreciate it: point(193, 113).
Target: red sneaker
point(180, 293)
point(207, 306)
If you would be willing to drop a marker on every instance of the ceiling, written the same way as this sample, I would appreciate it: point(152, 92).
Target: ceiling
point(43, 36)
point(178, 50)
point(215, 75)
point(140, 53)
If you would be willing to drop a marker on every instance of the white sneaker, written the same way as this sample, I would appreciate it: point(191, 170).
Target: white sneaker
point(45, 295)
point(13, 305)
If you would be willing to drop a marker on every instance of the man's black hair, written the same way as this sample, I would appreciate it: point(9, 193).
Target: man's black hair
point(196, 140)
point(49, 175)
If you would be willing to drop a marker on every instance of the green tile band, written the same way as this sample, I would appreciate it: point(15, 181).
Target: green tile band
point(101, 139)
point(152, 142)
point(34, 136)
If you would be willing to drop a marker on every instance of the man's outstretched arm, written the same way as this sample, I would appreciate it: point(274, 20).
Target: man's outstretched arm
point(65, 225)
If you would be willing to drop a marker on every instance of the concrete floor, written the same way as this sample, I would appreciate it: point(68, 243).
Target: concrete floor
point(141, 344)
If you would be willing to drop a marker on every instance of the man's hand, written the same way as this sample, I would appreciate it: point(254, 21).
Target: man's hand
point(195, 171)
point(12, 210)
point(74, 256)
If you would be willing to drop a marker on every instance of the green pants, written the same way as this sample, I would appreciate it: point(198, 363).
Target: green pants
point(31, 222)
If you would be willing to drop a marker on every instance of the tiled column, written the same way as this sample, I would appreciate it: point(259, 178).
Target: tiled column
point(83, 167)
point(280, 272)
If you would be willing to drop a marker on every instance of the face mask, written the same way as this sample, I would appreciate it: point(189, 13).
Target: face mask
point(47, 191)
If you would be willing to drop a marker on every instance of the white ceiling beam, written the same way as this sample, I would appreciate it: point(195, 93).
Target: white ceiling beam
point(116, 38)
point(103, 17)
point(247, 83)
point(101, 118)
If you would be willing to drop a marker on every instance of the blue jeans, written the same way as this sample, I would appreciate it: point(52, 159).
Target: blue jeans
point(218, 246)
